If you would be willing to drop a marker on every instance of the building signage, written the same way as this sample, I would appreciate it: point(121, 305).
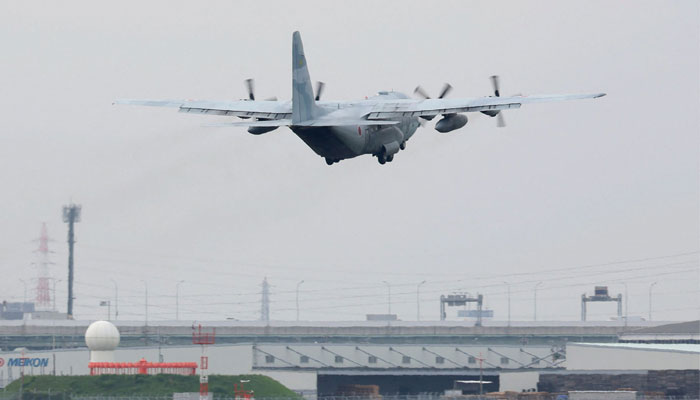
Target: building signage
point(26, 362)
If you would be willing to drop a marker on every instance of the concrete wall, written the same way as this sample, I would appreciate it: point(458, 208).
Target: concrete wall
point(223, 360)
point(603, 395)
point(518, 381)
point(301, 381)
point(596, 357)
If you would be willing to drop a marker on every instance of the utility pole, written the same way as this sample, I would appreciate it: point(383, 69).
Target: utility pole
point(535, 301)
point(298, 284)
point(651, 287)
point(107, 303)
point(265, 303)
point(145, 302)
point(626, 303)
point(24, 300)
point(418, 300)
point(116, 299)
point(481, 374)
point(177, 300)
point(55, 281)
point(71, 215)
point(388, 287)
point(508, 285)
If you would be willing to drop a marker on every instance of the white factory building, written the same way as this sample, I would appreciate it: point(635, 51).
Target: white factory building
point(317, 368)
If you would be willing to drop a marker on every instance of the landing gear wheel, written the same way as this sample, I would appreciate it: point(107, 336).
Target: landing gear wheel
point(329, 161)
point(382, 158)
point(390, 158)
point(402, 146)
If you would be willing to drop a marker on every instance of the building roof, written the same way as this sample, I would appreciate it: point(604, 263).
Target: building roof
point(688, 328)
point(675, 347)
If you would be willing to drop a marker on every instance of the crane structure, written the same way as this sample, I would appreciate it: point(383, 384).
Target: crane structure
point(600, 294)
point(461, 300)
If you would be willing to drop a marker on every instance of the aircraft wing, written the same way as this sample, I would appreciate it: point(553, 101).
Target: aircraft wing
point(309, 123)
point(265, 109)
point(433, 107)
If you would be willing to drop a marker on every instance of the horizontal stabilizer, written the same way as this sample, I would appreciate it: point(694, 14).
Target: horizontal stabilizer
point(345, 122)
point(151, 103)
point(310, 123)
point(261, 124)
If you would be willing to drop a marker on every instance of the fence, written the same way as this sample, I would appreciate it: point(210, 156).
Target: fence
point(427, 396)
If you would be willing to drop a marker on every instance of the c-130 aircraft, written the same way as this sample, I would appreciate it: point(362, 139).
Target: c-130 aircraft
point(337, 130)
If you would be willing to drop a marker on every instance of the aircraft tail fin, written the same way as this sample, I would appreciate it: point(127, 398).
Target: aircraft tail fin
point(304, 106)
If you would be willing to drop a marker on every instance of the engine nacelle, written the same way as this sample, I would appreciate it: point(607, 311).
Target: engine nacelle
point(451, 122)
point(259, 130)
point(391, 148)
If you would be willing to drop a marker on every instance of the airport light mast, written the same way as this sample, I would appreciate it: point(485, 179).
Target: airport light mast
point(71, 215)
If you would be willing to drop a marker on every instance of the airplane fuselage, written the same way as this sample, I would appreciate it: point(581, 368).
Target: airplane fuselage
point(342, 142)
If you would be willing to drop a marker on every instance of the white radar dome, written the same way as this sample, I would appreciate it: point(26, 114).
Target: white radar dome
point(102, 336)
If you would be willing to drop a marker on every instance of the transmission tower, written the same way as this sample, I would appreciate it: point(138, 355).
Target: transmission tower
point(265, 306)
point(71, 215)
point(43, 293)
point(203, 339)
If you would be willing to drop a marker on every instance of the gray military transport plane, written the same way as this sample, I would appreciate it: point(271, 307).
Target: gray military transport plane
point(337, 130)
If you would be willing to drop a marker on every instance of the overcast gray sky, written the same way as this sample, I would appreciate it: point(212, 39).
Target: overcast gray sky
point(559, 195)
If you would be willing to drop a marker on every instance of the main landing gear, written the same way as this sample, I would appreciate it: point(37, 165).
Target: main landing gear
point(331, 161)
point(383, 158)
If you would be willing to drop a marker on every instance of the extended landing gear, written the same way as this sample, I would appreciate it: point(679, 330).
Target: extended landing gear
point(402, 146)
point(383, 158)
point(331, 161)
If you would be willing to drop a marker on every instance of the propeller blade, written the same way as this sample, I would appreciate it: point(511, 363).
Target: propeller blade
point(421, 92)
point(500, 121)
point(319, 89)
point(445, 90)
point(496, 85)
point(250, 84)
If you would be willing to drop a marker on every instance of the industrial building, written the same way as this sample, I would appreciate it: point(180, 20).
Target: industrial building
point(317, 359)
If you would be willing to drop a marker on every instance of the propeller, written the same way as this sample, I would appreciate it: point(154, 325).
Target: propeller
point(446, 88)
point(319, 90)
point(422, 93)
point(250, 84)
point(495, 82)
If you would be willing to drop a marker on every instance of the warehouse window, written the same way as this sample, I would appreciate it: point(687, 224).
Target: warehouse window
point(269, 359)
point(504, 360)
point(304, 359)
point(338, 359)
point(406, 360)
point(472, 360)
point(372, 359)
point(439, 360)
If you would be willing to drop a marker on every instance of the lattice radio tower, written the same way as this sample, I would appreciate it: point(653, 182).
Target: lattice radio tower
point(203, 339)
point(43, 292)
